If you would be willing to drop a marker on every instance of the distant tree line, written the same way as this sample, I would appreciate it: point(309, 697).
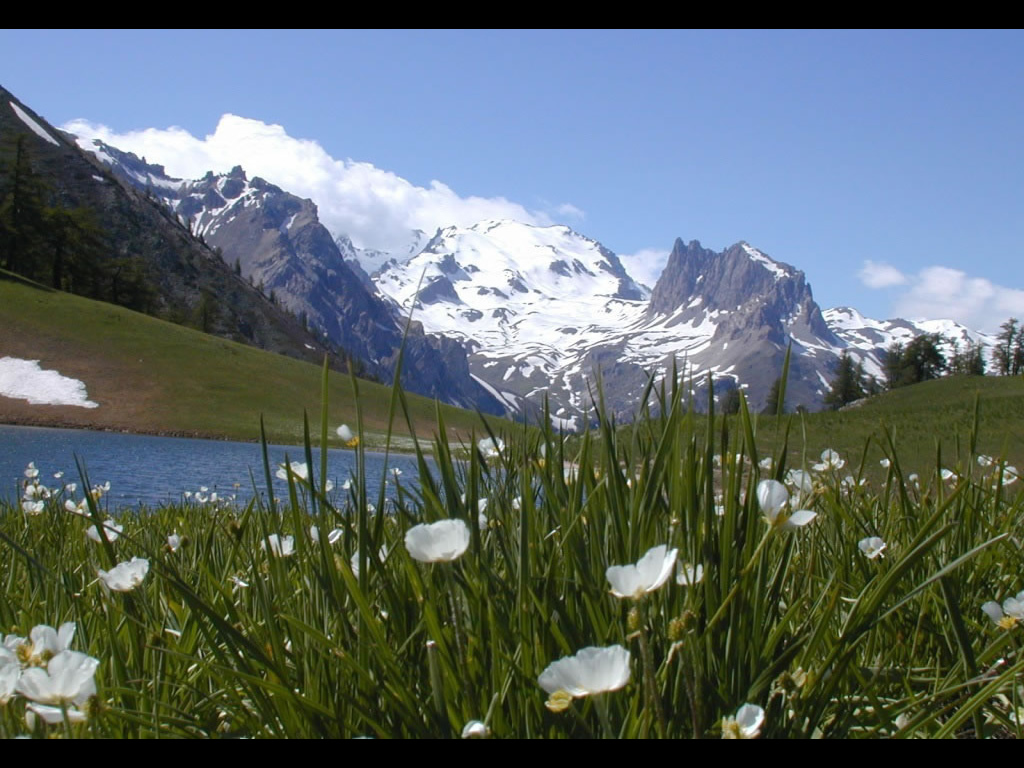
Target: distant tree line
point(1008, 355)
point(57, 245)
point(922, 359)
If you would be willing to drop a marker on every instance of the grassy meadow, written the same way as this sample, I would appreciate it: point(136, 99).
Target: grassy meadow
point(156, 377)
point(679, 577)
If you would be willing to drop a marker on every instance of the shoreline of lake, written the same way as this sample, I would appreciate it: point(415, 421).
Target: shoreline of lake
point(159, 469)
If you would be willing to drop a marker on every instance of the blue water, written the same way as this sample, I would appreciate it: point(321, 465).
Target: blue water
point(153, 471)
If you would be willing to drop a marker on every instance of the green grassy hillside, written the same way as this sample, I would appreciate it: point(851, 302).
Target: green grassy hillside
point(156, 377)
point(930, 424)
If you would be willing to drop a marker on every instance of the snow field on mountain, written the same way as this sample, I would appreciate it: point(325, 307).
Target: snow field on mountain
point(26, 380)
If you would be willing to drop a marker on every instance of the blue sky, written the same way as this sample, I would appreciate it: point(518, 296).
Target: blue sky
point(886, 165)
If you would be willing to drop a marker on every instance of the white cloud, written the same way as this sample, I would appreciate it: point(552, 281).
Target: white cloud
point(571, 211)
point(646, 265)
point(941, 292)
point(375, 208)
point(880, 275)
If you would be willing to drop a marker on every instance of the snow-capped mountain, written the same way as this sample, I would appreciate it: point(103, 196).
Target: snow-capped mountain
point(543, 308)
point(531, 303)
point(870, 338)
point(276, 240)
point(514, 313)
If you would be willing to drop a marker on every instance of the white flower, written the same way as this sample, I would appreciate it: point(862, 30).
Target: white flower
point(31, 471)
point(345, 433)
point(47, 642)
point(650, 572)
point(829, 460)
point(68, 679)
point(382, 555)
point(10, 671)
point(438, 542)
point(298, 468)
point(985, 461)
point(884, 463)
point(1007, 473)
point(745, 725)
point(1011, 612)
point(481, 514)
point(52, 715)
point(124, 577)
point(33, 507)
point(491, 447)
point(948, 475)
point(766, 463)
point(279, 547)
point(872, 547)
point(238, 583)
point(474, 729)
point(800, 480)
point(591, 671)
point(773, 497)
point(332, 537)
point(689, 575)
point(174, 542)
point(112, 530)
point(81, 508)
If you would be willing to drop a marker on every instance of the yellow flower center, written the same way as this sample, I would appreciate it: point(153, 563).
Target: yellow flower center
point(731, 729)
point(1007, 622)
point(559, 701)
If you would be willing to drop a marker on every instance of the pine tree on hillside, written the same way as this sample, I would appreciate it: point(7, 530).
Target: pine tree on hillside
point(1008, 354)
point(970, 361)
point(23, 197)
point(920, 360)
point(847, 385)
point(924, 359)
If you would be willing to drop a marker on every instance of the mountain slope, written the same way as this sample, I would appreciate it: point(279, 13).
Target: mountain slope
point(141, 240)
point(276, 241)
point(147, 375)
point(543, 309)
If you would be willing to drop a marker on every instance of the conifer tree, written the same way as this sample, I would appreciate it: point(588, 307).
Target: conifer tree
point(846, 386)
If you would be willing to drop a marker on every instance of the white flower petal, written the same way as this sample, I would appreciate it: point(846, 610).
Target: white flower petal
point(799, 518)
point(443, 541)
point(592, 670)
point(772, 496)
point(689, 575)
point(872, 547)
point(750, 718)
point(649, 573)
point(474, 729)
point(124, 577)
point(993, 610)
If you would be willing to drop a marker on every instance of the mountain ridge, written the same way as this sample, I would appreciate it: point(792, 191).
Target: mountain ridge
point(528, 312)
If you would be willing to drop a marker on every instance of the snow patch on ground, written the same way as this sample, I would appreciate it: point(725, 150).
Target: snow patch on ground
point(37, 129)
point(25, 380)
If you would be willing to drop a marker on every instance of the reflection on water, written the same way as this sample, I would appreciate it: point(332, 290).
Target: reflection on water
point(149, 470)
